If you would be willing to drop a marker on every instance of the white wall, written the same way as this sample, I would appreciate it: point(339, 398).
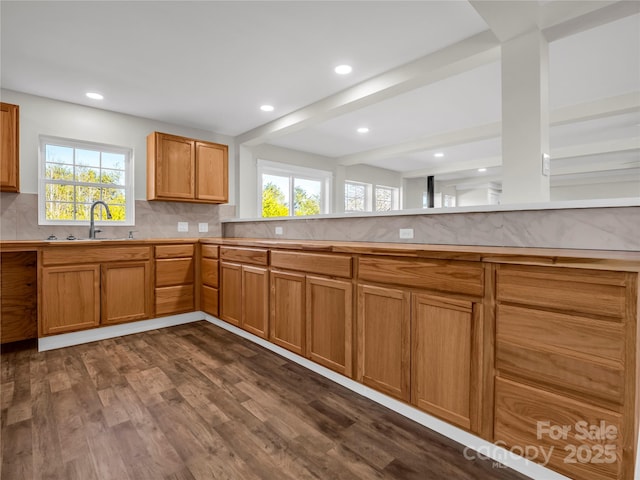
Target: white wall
point(373, 175)
point(44, 116)
point(621, 189)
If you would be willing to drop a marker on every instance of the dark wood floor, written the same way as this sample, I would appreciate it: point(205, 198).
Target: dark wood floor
point(197, 402)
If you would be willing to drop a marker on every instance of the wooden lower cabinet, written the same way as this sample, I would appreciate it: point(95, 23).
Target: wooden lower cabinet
point(70, 298)
point(329, 323)
point(244, 293)
point(383, 340)
point(126, 292)
point(442, 355)
point(287, 316)
point(174, 279)
point(18, 296)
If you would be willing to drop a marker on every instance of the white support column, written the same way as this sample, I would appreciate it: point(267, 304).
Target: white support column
point(525, 118)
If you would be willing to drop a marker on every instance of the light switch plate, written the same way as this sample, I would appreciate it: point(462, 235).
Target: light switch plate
point(546, 164)
point(203, 227)
point(279, 230)
point(406, 233)
point(183, 226)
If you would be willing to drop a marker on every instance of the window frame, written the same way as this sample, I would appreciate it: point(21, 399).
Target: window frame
point(268, 167)
point(129, 183)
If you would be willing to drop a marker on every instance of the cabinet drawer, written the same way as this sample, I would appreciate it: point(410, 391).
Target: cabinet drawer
point(209, 300)
point(255, 256)
point(84, 254)
point(174, 271)
point(174, 299)
point(174, 251)
point(454, 276)
point(209, 272)
point(209, 251)
point(320, 263)
point(581, 292)
point(524, 415)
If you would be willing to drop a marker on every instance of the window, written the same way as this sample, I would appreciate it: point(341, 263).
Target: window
point(357, 197)
point(289, 190)
point(387, 198)
point(74, 174)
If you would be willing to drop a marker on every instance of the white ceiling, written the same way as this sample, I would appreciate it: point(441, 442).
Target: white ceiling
point(211, 64)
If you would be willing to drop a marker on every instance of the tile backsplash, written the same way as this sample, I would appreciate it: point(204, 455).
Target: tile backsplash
point(19, 220)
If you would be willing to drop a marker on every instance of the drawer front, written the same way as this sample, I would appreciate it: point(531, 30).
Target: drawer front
point(174, 251)
point(209, 300)
point(176, 299)
point(174, 271)
point(209, 272)
point(570, 353)
point(254, 256)
point(84, 254)
point(529, 417)
point(320, 263)
point(453, 276)
point(209, 251)
point(592, 293)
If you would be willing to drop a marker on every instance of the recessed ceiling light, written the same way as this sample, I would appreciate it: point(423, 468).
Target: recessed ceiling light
point(363, 130)
point(438, 154)
point(267, 108)
point(343, 69)
point(95, 96)
point(482, 169)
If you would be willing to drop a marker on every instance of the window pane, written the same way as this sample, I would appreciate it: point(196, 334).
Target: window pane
point(118, 212)
point(87, 194)
point(58, 211)
point(275, 196)
point(306, 196)
point(114, 177)
point(59, 172)
point(113, 195)
point(58, 193)
point(384, 199)
point(355, 197)
point(87, 158)
point(87, 175)
point(57, 154)
point(113, 160)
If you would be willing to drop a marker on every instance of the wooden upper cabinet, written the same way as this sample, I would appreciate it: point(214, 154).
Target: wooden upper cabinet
point(186, 170)
point(9, 151)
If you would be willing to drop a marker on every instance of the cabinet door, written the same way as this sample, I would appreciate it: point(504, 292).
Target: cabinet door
point(175, 167)
point(212, 175)
point(383, 333)
point(255, 300)
point(287, 321)
point(9, 142)
point(329, 325)
point(231, 292)
point(442, 352)
point(70, 298)
point(126, 292)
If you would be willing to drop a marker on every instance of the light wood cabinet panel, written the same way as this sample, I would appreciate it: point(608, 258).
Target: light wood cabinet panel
point(18, 296)
point(231, 293)
point(126, 292)
point(383, 339)
point(186, 170)
point(287, 317)
point(174, 271)
point(9, 148)
point(255, 300)
point(66, 255)
point(174, 251)
point(212, 181)
point(524, 415)
point(209, 272)
point(319, 263)
point(329, 323)
point(209, 251)
point(176, 299)
point(253, 256)
point(70, 298)
point(442, 352)
point(209, 300)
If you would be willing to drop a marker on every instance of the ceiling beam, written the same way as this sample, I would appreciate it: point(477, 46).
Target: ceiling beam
point(467, 54)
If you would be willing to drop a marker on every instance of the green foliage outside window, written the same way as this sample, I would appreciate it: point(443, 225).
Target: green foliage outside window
point(274, 202)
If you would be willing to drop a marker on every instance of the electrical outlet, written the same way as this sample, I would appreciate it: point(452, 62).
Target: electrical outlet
point(406, 233)
point(183, 226)
point(279, 230)
point(203, 227)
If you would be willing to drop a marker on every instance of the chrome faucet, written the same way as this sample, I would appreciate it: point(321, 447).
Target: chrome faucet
point(92, 227)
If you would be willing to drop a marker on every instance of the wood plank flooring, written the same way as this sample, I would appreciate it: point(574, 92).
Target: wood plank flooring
point(196, 402)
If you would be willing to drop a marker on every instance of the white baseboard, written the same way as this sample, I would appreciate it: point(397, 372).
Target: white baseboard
point(477, 446)
point(102, 333)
